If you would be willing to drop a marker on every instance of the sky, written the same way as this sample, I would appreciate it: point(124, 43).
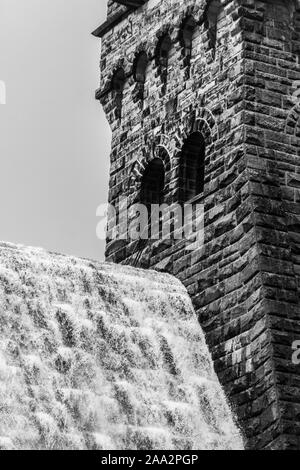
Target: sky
point(54, 138)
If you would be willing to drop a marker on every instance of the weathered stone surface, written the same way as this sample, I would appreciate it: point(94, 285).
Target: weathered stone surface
point(245, 280)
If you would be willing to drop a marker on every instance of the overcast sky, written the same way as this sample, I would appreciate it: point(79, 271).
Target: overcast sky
point(54, 139)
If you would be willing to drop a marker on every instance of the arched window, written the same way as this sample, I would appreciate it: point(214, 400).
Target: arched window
point(213, 15)
point(192, 167)
point(187, 35)
point(140, 67)
point(117, 85)
point(152, 192)
point(139, 72)
point(153, 183)
point(162, 56)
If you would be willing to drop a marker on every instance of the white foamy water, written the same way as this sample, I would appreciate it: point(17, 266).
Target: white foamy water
point(98, 356)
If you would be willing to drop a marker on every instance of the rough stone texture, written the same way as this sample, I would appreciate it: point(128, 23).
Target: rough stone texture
point(245, 280)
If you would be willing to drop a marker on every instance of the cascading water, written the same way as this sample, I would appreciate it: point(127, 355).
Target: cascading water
point(98, 356)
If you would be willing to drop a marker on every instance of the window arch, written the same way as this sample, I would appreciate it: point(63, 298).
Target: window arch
point(117, 85)
point(192, 167)
point(162, 56)
point(186, 39)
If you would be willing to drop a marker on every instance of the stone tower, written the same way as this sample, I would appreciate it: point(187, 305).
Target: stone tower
point(202, 100)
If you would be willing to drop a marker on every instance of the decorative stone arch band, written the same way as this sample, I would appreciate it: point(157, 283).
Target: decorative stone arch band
point(202, 121)
point(293, 121)
point(162, 147)
point(168, 148)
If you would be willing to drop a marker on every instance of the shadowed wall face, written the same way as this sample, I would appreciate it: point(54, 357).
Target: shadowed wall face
point(54, 138)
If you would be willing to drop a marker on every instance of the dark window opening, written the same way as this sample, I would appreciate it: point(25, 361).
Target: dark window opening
point(140, 67)
point(162, 55)
point(192, 167)
point(153, 183)
point(213, 14)
point(187, 36)
point(140, 71)
point(152, 192)
point(118, 84)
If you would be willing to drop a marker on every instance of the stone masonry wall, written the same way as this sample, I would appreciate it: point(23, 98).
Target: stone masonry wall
point(272, 148)
point(244, 281)
point(114, 8)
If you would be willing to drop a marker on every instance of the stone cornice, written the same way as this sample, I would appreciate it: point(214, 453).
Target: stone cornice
point(115, 19)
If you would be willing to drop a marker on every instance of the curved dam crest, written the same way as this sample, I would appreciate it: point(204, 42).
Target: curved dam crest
point(100, 356)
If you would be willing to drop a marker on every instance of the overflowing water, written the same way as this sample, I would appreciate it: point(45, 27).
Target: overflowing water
point(98, 356)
